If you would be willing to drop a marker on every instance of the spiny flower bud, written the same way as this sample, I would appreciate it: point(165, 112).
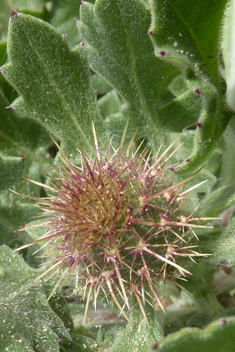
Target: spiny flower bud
point(119, 223)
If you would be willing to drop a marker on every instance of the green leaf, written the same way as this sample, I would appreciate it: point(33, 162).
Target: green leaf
point(200, 284)
point(224, 247)
point(227, 174)
point(28, 142)
point(203, 176)
point(36, 8)
point(24, 140)
point(63, 19)
point(218, 201)
point(186, 29)
point(186, 35)
point(11, 170)
point(109, 104)
point(99, 84)
point(178, 114)
point(53, 82)
point(81, 344)
point(120, 50)
point(218, 336)
point(27, 320)
point(228, 52)
point(138, 336)
point(19, 137)
point(14, 216)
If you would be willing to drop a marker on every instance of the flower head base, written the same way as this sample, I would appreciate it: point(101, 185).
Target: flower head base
point(119, 223)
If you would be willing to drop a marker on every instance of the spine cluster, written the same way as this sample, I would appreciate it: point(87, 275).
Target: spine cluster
point(119, 223)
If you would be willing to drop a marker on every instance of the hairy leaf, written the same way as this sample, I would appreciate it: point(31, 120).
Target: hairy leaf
point(139, 335)
point(119, 49)
point(228, 52)
point(36, 8)
point(27, 320)
point(24, 153)
point(186, 35)
point(11, 169)
point(63, 19)
point(20, 138)
point(218, 201)
point(53, 82)
point(109, 104)
point(224, 247)
point(81, 344)
point(218, 336)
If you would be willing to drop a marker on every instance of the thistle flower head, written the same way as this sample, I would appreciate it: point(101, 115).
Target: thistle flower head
point(119, 223)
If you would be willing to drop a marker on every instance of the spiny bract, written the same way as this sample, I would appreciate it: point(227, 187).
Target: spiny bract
point(119, 223)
